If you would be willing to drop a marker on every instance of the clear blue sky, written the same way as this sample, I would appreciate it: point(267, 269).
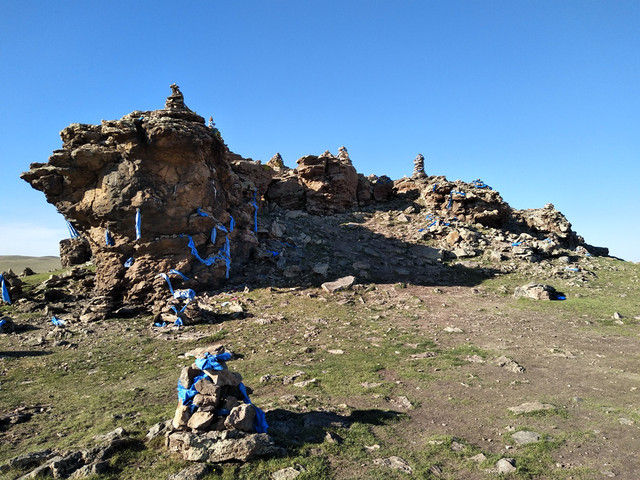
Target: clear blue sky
point(540, 99)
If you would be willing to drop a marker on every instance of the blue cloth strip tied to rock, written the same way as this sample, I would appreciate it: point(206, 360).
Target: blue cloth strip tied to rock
point(108, 239)
point(255, 213)
point(5, 290)
point(138, 224)
point(72, 230)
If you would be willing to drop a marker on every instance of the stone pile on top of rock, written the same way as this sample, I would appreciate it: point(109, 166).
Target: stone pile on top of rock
point(213, 398)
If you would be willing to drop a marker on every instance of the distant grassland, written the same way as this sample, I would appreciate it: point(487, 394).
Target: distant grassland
point(17, 263)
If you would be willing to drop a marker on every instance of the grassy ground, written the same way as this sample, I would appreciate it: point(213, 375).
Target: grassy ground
point(18, 263)
point(413, 369)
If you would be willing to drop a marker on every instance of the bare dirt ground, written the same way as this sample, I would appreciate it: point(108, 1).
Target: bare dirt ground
point(587, 373)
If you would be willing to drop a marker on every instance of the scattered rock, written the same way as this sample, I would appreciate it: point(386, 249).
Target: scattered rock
point(452, 330)
point(475, 359)
point(479, 458)
point(332, 437)
point(509, 364)
point(536, 291)
point(78, 464)
point(288, 473)
point(370, 384)
point(524, 437)
point(530, 407)
point(340, 284)
point(305, 383)
point(192, 472)
point(506, 465)
point(396, 463)
point(423, 355)
point(159, 430)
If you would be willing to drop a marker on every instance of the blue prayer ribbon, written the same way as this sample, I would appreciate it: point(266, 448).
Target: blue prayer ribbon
point(255, 213)
point(108, 238)
point(72, 231)
point(138, 224)
point(260, 423)
point(5, 290)
point(178, 272)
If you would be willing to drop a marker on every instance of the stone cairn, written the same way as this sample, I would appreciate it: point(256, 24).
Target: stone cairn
point(212, 397)
point(418, 167)
point(215, 420)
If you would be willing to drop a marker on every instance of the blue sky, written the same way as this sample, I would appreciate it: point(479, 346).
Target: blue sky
point(539, 99)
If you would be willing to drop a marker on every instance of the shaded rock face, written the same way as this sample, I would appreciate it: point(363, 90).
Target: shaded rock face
point(74, 251)
point(170, 171)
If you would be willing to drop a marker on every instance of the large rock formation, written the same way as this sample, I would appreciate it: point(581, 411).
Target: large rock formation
point(158, 192)
point(152, 192)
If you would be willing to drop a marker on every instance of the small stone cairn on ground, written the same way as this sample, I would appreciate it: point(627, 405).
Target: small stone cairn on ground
point(215, 420)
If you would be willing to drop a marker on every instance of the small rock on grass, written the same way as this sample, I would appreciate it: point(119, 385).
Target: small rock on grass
point(524, 437)
point(530, 407)
point(340, 284)
point(479, 458)
point(453, 330)
point(193, 472)
point(506, 465)
point(509, 364)
point(397, 463)
point(288, 473)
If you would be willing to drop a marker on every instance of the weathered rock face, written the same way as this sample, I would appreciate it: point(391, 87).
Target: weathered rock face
point(549, 220)
point(330, 182)
point(74, 251)
point(156, 181)
point(321, 185)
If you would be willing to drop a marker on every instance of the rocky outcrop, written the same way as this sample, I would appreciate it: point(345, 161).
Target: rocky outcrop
point(330, 182)
point(153, 192)
point(158, 192)
point(321, 185)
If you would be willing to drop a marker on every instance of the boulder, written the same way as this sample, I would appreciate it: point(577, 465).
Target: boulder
point(340, 284)
point(536, 291)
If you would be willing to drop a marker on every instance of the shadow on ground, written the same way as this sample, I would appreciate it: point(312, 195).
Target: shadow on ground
point(292, 428)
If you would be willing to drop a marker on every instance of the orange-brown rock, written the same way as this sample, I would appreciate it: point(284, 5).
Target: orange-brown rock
point(177, 174)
